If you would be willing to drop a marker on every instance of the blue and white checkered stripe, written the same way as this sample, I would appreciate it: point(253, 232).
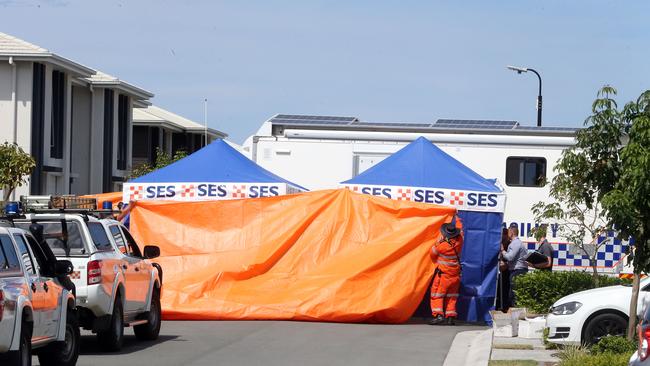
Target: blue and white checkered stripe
point(608, 256)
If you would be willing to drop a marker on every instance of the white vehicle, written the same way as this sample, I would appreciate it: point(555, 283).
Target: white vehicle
point(587, 316)
point(37, 311)
point(116, 284)
point(319, 152)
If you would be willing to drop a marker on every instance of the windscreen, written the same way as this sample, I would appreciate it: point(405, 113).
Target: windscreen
point(64, 238)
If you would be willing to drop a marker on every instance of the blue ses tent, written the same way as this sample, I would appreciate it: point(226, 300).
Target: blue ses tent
point(216, 172)
point(422, 172)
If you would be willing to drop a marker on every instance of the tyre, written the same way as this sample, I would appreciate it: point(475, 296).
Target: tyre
point(603, 325)
point(150, 331)
point(112, 338)
point(23, 356)
point(63, 353)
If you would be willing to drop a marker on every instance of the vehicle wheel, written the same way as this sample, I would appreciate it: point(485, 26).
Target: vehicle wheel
point(23, 356)
point(112, 338)
point(150, 331)
point(603, 325)
point(64, 353)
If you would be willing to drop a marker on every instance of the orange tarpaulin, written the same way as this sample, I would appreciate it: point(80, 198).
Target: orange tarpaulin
point(326, 255)
point(113, 197)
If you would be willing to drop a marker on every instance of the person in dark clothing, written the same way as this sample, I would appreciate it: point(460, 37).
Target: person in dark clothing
point(544, 247)
point(503, 285)
point(516, 256)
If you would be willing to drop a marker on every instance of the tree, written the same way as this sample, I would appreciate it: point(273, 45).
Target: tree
point(15, 167)
point(628, 204)
point(586, 172)
point(162, 160)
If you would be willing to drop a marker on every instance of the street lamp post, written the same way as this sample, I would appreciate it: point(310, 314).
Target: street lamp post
point(519, 70)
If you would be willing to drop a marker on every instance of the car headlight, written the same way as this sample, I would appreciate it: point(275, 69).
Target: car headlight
point(566, 308)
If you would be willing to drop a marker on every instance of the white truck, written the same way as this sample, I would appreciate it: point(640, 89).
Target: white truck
point(116, 284)
point(319, 152)
point(37, 307)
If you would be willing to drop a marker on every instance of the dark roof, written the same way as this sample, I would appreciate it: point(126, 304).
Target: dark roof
point(441, 125)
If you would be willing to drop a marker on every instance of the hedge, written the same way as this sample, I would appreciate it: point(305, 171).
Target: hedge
point(538, 290)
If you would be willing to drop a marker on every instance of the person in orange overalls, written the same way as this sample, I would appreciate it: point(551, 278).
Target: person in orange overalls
point(446, 277)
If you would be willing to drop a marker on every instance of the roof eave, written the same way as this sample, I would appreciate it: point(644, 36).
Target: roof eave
point(211, 131)
point(54, 59)
point(125, 87)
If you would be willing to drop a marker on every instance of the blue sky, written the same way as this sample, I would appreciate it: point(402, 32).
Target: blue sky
point(382, 61)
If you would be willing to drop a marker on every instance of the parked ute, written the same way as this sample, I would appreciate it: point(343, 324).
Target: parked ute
point(116, 284)
point(37, 307)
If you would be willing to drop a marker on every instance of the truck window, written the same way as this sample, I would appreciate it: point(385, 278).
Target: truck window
point(64, 239)
point(8, 259)
point(99, 236)
point(133, 246)
point(25, 255)
point(119, 239)
point(45, 261)
point(525, 171)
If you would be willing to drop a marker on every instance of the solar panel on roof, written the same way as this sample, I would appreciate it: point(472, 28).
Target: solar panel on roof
point(308, 122)
point(299, 117)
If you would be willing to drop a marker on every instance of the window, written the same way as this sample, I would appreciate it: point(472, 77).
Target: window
point(58, 114)
point(25, 255)
point(44, 260)
point(107, 177)
point(8, 258)
point(99, 236)
point(526, 171)
point(38, 123)
point(133, 246)
point(64, 239)
point(122, 130)
point(119, 239)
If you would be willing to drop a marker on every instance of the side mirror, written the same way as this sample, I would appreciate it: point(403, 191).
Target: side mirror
point(151, 251)
point(63, 268)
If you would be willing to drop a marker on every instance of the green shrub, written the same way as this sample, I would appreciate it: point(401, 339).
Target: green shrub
point(538, 290)
point(580, 356)
point(603, 359)
point(614, 344)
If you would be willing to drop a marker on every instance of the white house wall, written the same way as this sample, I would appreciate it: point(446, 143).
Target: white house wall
point(97, 141)
point(21, 106)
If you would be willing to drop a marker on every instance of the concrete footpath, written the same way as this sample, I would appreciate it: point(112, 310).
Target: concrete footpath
point(480, 347)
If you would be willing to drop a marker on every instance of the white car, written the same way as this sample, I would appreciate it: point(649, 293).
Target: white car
point(587, 316)
point(117, 285)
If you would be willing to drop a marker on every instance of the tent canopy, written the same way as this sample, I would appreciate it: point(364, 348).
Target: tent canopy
point(422, 172)
point(217, 162)
point(217, 171)
point(422, 164)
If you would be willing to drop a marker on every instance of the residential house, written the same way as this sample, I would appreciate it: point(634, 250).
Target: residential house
point(75, 121)
point(154, 127)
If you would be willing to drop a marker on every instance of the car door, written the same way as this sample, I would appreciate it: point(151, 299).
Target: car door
point(36, 290)
point(52, 291)
point(131, 270)
point(143, 269)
